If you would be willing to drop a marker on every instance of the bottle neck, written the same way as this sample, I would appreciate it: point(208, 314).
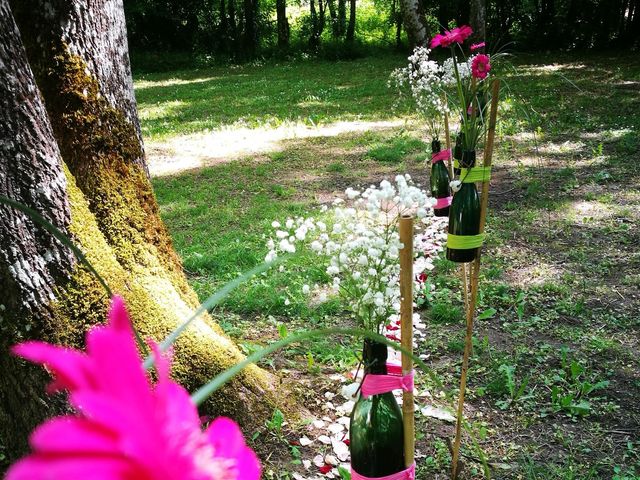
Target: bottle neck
point(374, 357)
point(436, 146)
point(468, 159)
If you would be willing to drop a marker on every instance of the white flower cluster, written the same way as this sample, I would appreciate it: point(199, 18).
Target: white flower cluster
point(424, 78)
point(360, 248)
point(449, 73)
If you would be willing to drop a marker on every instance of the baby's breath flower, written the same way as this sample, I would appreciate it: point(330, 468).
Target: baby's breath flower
point(359, 249)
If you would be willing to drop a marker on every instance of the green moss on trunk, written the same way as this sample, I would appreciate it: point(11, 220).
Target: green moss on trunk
point(156, 308)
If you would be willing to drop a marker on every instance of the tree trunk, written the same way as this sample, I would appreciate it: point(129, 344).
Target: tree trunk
point(342, 18)
point(478, 20)
point(351, 29)
point(224, 28)
point(107, 205)
point(396, 19)
point(31, 261)
point(250, 27)
point(333, 15)
point(414, 23)
point(322, 7)
point(233, 25)
point(283, 24)
point(314, 37)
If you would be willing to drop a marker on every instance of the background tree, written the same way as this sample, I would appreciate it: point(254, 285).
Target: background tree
point(478, 20)
point(414, 22)
point(351, 28)
point(86, 153)
point(342, 18)
point(283, 24)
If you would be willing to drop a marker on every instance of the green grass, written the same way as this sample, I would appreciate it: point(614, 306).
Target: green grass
point(310, 92)
point(560, 267)
point(395, 149)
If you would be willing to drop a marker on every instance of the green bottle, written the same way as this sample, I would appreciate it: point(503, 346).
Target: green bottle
point(376, 431)
point(439, 181)
point(457, 154)
point(464, 214)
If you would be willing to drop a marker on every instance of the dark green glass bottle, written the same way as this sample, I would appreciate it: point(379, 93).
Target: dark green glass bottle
point(439, 180)
point(464, 214)
point(376, 431)
point(457, 154)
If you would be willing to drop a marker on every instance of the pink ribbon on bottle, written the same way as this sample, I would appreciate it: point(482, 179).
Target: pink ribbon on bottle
point(443, 202)
point(377, 384)
point(408, 474)
point(441, 155)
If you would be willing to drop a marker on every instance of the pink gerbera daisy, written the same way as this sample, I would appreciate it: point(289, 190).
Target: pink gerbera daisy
point(449, 37)
point(126, 428)
point(480, 66)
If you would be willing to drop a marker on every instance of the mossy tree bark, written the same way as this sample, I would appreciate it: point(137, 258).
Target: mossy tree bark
point(79, 159)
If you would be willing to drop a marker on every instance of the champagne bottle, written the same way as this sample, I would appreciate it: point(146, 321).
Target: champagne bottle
point(457, 154)
point(376, 431)
point(439, 181)
point(464, 214)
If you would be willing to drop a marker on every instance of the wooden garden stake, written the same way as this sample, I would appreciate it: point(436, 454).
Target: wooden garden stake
point(475, 272)
point(465, 286)
point(406, 332)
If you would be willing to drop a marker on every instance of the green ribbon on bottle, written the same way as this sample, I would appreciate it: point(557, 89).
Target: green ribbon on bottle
point(456, 163)
point(475, 174)
point(465, 242)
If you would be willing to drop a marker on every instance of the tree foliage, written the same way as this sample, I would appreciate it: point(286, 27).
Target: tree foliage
point(242, 29)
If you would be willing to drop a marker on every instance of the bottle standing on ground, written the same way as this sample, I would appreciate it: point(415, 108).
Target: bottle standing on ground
point(376, 431)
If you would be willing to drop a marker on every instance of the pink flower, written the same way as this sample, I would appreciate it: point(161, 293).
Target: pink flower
point(456, 35)
point(126, 428)
point(477, 46)
point(480, 66)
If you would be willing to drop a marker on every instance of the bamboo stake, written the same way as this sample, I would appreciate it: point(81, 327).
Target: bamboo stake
point(406, 332)
point(465, 286)
point(475, 273)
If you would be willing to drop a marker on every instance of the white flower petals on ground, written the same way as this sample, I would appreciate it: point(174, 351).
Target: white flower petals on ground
point(305, 441)
point(439, 413)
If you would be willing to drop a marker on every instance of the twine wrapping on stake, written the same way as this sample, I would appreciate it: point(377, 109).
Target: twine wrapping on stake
point(406, 332)
point(475, 272)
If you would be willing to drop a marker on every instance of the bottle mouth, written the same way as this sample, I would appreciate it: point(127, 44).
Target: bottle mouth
point(436, 146)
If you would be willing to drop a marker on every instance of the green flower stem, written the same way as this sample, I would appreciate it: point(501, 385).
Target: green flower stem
point(211, 302)
point(206, 390)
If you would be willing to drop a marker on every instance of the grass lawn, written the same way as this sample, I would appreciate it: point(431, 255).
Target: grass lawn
point(554, 383)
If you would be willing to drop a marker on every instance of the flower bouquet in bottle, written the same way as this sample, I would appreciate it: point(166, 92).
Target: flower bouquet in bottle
point(359, 247)
point(469, 78)
point(424, 80)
